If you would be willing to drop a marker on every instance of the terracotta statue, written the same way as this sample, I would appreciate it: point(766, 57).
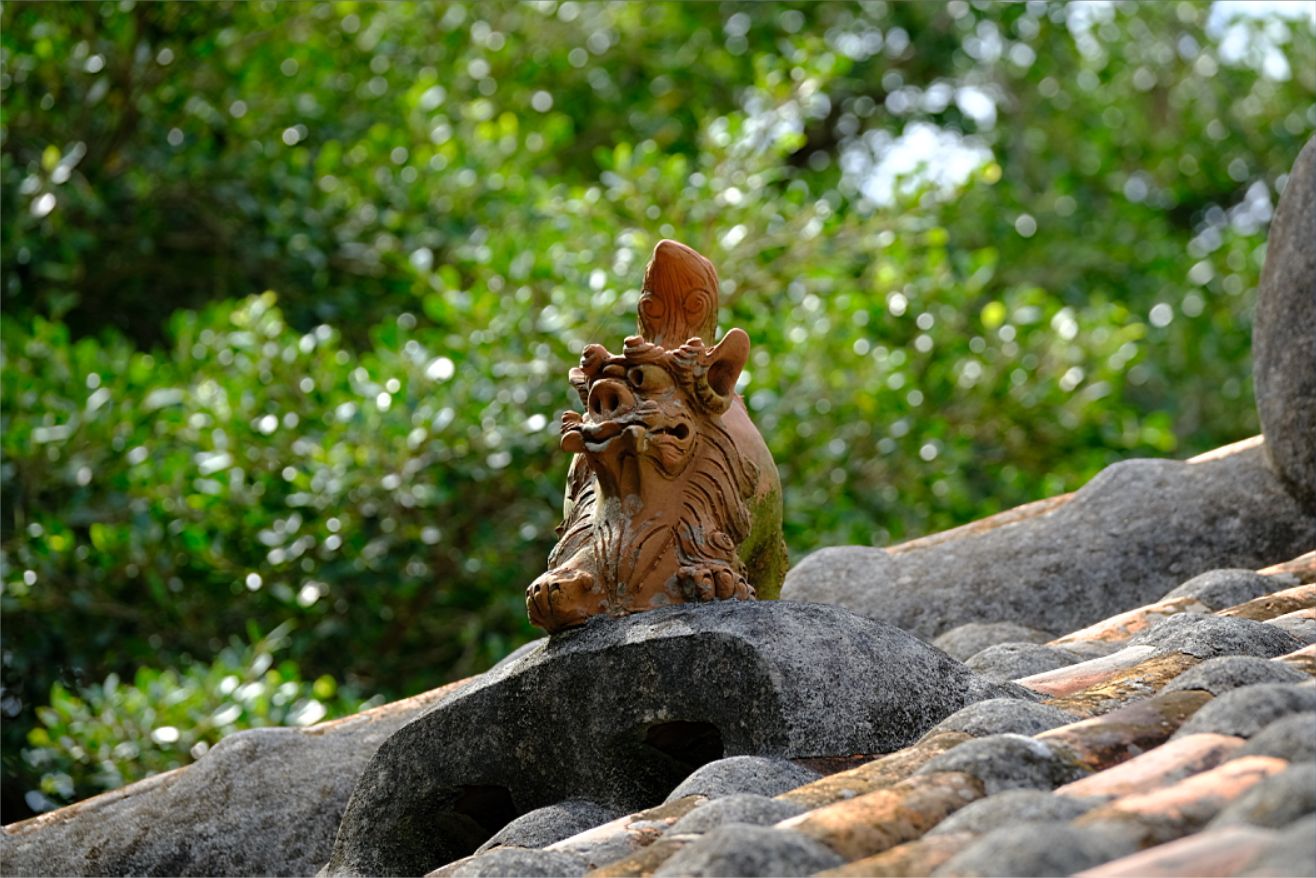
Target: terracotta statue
point(673, 496)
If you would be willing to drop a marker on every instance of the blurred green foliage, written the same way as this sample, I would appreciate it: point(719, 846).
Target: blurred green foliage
point(118, 731)
point(449, 200)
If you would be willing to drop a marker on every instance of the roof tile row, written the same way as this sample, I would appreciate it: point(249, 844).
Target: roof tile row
point(1128, 787)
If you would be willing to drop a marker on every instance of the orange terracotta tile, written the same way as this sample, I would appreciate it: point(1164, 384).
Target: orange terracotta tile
point(880, 820)
point(1303, 659)
point(629, 833)
point(415, 704)
point(1104, 741)
point(1300, 597)
point(1216, 854)
point(1171, 760)
point(1123, 626)
point(1303, 567)
point(913, 859)
point(1122, 687)
point(983, 525)
point(1228, 450)
point(1225, 782)
point(643, 862)
point(1307, 613)
point(1163, 815)
point(1074, 678)
point(878, 774)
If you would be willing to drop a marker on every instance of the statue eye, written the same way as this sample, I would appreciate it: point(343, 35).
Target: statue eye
point(648, 378)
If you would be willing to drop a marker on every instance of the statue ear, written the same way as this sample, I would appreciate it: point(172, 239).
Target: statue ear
point(725, 362)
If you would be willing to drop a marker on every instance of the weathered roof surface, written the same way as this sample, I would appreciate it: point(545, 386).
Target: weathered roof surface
point(1180, 736)
point(1147, 778)
point(261, 802)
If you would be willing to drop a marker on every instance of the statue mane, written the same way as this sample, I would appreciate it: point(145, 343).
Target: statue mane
point(706, 502)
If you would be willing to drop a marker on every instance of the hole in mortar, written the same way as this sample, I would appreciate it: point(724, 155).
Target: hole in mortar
point(453, 828)
point(690, 743)
point(489, 806)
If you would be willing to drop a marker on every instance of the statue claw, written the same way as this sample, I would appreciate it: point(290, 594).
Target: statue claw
point(713, 581)
point(562, 598)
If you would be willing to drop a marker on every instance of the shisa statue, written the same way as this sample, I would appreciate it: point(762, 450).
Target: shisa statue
point(672, 496)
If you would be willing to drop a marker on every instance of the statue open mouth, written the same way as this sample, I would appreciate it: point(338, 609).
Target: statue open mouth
point(639, 435)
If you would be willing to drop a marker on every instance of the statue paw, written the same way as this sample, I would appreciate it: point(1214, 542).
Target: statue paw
point(713, 581)
point(562, 598)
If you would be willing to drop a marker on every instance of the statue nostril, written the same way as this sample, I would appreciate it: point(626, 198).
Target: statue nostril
point(606, 400)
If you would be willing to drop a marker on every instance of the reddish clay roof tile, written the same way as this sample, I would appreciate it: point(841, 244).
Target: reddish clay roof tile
point(1124, 686)
point(1165, 814)
point(643, 862)
point(920, 857)
point(1303, 659)
point(878, 774)
point(1306, 613)
point(1075, 678)
point(880, 820)
point(1227, 782)
point(1303, 567)
point(1224, 851)
point(1119, 628)
point(1300, 597)
point(1108, 740)
point(1155, 768)
point(631, 832)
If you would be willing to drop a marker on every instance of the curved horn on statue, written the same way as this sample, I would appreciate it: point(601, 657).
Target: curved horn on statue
point(716, 385)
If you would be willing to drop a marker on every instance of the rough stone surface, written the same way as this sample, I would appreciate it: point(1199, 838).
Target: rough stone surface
point(761, 775)
point(621, 710)
point(1292, 737)
point(517, 654)
point(543, 826)
point(1038, 849)
point(1223, 673)
point(1244, 712)
point(1219, 589)
point(1284, 333)
point(999, 716)
point(1136, 530)
point(968, 640)
point(738, 808)
point(1274, 802)
point(1012, 661)
point(738, 850)
point(1205, 636)
point(522, 862)
point(1293, 852)
point(1011, 807)
point(1007, 762)
point(260, 802)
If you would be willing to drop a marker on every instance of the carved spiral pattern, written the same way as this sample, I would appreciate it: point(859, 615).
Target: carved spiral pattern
point(679, 301)
point(668, 321)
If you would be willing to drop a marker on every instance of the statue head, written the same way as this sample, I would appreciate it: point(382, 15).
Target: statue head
point(651, 402)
